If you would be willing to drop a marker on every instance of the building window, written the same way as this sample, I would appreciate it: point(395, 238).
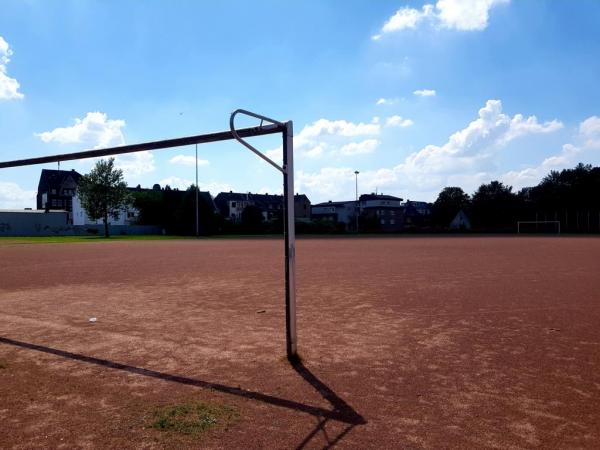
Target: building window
point(233, 204)
point(392, 221)
point(393, 213)
point(53, 191)
point(382, 221)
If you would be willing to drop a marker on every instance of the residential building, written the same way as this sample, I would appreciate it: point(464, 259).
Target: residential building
point(344, 212)
point(461, 221)
point(56, 190)
point(417, 215)
point(381, 212)
point(232, 204)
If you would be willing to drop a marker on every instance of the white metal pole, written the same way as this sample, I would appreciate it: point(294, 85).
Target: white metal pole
point(197, 218)
point(290, 241)
point(357, 209)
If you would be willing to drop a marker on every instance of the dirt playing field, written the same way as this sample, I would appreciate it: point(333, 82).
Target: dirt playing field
point(449, 342)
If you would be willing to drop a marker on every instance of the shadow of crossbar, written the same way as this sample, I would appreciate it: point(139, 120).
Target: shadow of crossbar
point(342, 412)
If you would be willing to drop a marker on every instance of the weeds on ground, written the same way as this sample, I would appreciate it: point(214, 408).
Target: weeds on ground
point(193, 418)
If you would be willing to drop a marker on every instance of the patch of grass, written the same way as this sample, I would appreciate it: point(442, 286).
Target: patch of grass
point(193, 418)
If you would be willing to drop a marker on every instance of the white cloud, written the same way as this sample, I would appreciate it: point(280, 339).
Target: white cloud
point(386, 101)
point(397, 121)
point(97, 131)
point(474, 146)
point(406, 18)
point(12, 196)
point(176, 183)
point(588, 143)
point(359, 148)
point(425, 92)
point(520, 126)
point(134, 165)
point(464, 15)
point(9, 87)
point(188, 160)
point(466, 159)
point(324, 137)
point(590, 131)
point(94, 130)
point(338, 127)
point(590, 127)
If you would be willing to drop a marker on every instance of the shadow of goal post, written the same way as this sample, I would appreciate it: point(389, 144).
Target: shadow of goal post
point(273, 127)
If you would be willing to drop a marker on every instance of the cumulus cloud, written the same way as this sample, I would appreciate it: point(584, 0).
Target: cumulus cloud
point(386, 101)
point(328, 137)
point(464, 15)
point(466, 159)
point(398, 121)
point(188, 160)
point(474, 146)
point(338, 127)
point(587, 144)
point(12, 196)
point(407, 18)
point(134, 165)
point(359, 148)
point(94, 130)
point(97, 131)
point(424, 92)
point(9, 87)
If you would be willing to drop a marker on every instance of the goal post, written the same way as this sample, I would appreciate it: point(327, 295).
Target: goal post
point(272, 127)
point(538, 226)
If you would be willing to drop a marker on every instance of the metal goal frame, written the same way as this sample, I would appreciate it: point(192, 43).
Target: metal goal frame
point(536, 222)
point(287, 169)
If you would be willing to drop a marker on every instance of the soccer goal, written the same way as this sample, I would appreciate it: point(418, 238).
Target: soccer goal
point(538, 226)
point(267, 126)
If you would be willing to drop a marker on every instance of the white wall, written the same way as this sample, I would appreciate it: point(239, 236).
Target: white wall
point(81, 218)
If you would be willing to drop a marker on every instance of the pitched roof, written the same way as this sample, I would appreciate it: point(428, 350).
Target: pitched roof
point(365, 197)
point(54, 179)
point(330, 203)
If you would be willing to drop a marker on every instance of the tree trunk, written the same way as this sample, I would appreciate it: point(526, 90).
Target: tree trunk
point(105, 220)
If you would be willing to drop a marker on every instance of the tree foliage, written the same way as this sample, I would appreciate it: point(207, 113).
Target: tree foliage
point(174, 210)
point(103, 192)
point(449, 202)
point(252, 219)
point(495, 207)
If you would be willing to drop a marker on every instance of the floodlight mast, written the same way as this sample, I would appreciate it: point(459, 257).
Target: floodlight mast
point(289, 222)
point(286, 128)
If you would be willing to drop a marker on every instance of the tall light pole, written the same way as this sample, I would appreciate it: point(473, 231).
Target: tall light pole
point(356, 172)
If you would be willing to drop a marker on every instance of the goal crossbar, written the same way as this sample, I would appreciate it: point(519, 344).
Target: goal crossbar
point(273, 127)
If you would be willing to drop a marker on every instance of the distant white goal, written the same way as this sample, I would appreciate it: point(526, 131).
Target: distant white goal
point(538, 226)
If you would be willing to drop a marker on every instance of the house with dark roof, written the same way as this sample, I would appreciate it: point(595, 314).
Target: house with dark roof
point(382, 212)
point(232, 204)
point(56, 190)
point(417, 214)
point(344, 212)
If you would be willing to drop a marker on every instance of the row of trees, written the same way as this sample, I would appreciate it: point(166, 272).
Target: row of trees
point(571, 196)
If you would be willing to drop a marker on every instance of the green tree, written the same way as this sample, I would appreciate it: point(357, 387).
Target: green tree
point(252, 219)
point(103, 192)
point(449, 202)
point(495, 207)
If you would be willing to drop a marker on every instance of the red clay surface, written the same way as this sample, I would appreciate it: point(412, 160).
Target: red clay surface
point(407, 343)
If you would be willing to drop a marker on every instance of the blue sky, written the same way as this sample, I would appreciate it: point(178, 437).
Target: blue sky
point(415, 96)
